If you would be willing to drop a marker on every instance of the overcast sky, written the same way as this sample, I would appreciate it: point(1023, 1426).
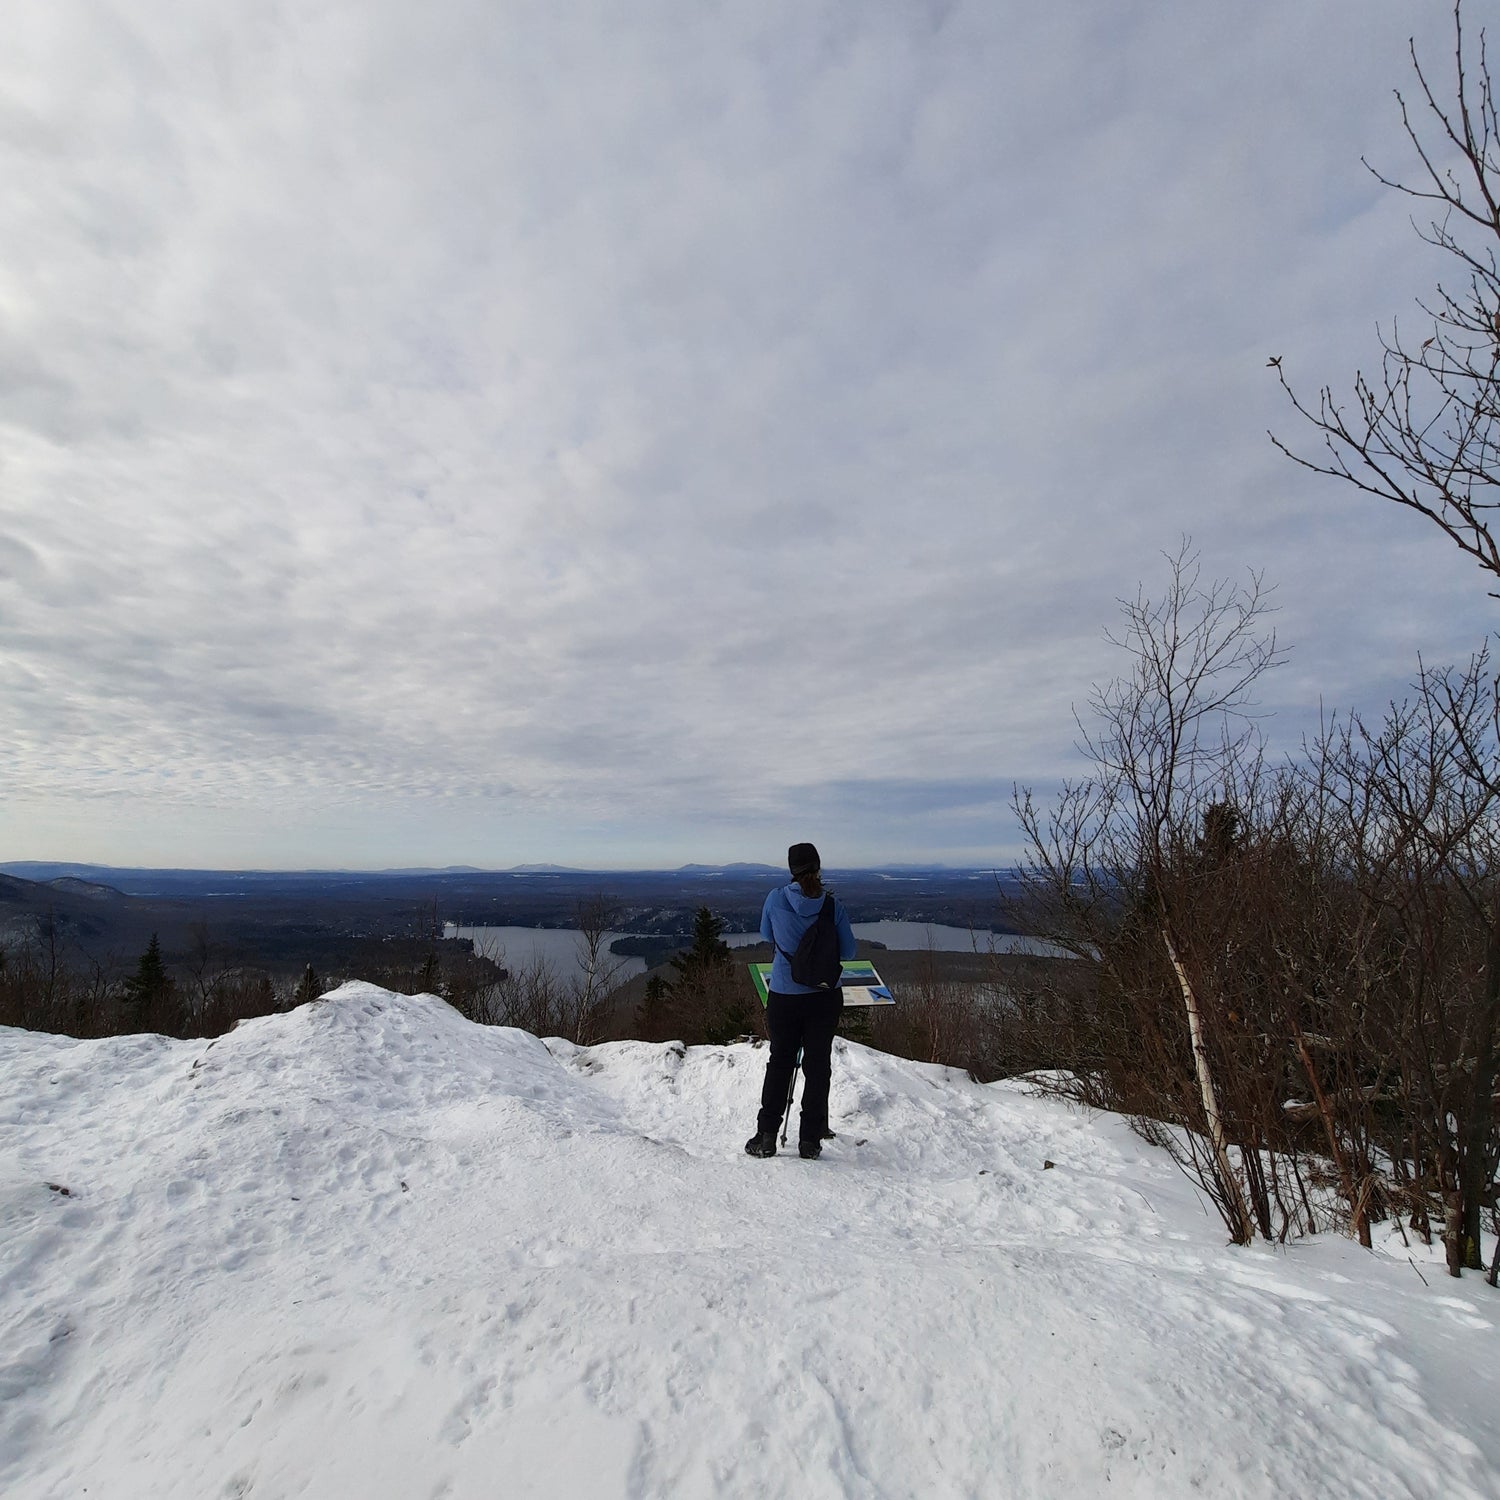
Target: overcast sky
point(484, 432)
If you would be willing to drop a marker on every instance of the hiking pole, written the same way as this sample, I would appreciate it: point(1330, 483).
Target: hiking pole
point(791, 1088)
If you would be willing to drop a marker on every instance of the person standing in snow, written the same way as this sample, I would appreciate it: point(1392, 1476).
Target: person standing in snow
point(797, 1015)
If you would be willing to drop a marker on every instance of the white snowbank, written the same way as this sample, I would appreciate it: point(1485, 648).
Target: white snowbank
point(370, 1250)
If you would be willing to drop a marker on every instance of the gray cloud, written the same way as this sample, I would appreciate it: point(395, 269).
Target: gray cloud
point(504, 432)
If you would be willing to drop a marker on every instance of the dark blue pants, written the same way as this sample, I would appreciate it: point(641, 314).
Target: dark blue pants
point(808, 1022)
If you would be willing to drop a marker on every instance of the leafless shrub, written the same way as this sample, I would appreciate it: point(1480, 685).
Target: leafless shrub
point(1117, 870)
point(539, 999)
point(1299, 966)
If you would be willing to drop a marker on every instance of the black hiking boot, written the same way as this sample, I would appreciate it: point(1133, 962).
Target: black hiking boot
point(809, 1150)
point(762, 1143)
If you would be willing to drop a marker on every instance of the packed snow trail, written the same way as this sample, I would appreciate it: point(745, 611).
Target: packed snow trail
point(367, 1249)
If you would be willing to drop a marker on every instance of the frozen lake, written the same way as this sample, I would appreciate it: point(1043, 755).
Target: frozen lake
point(917, 937)
point(562, 947)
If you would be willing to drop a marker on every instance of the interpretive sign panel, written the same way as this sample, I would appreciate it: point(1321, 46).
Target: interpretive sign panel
point(859, 982)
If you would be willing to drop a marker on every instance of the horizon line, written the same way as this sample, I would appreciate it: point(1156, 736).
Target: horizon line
point(530, 868)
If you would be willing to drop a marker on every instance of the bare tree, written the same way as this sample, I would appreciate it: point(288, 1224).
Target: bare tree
point(935, 1004)
point(600, 972)
point(205, 975)
point(534, 999)
point(99, 986)
point(1111, 867)
point(538, 999)
point(1414, 797)
point(1424, 432)
point(1430, 873)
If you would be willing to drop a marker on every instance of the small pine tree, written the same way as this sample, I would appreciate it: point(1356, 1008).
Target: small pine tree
point(709, 952)
point(309, 987)
point(1222, 839)
point(707, 987)
point(147, 1003)
point(654, 1019)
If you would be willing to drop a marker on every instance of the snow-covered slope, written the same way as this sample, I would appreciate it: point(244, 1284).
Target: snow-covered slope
point(369, 1250)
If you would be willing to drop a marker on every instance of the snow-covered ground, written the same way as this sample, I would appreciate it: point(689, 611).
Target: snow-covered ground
point(369, 1250)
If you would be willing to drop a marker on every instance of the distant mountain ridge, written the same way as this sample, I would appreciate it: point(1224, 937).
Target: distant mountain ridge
point(78, 910)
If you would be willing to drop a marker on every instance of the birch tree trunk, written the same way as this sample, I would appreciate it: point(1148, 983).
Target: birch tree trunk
point(1229, 1182)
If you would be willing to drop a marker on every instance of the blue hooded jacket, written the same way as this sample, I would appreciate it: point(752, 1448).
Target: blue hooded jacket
point(786, 915)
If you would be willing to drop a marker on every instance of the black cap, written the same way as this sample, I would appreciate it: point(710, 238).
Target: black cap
point(802, 859)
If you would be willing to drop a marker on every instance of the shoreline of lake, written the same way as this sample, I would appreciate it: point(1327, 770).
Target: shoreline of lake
point(562, 947)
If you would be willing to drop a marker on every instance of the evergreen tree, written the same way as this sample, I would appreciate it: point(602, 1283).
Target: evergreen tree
point(264, 1003)
point(708, 990)
point(709, 953)
point(309, 987)
point(147, 1005)
point(654, 1019)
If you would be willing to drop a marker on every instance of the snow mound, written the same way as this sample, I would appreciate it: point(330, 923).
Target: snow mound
point(369, 1249)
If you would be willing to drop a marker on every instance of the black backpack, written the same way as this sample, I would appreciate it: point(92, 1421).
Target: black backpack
point(816, 962)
